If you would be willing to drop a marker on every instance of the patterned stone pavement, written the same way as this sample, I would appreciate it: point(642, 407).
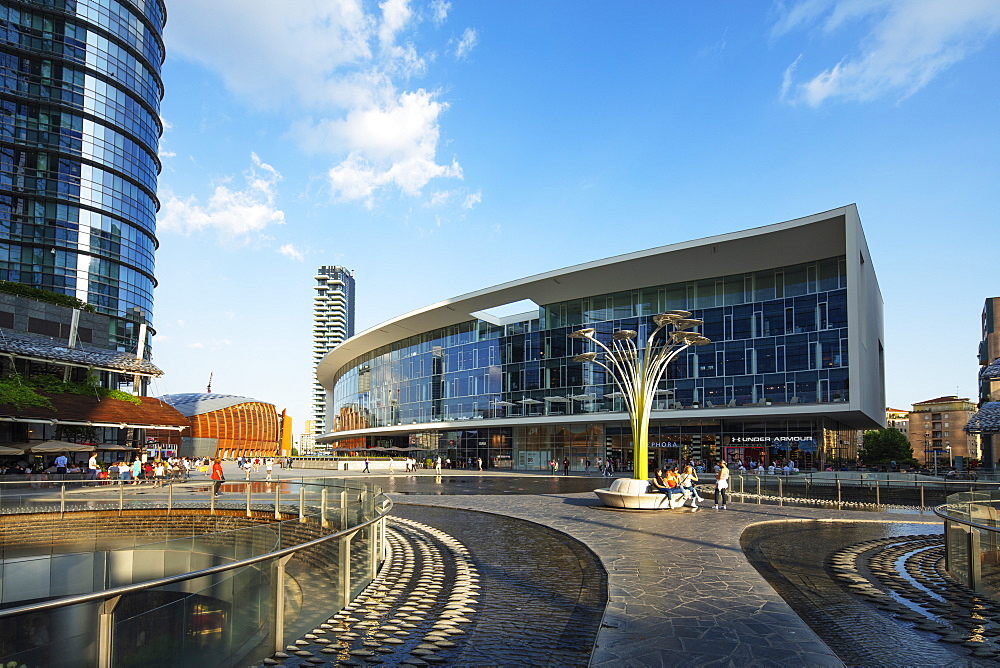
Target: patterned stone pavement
point(436, 601)
point(681, 589)
point(411, 614)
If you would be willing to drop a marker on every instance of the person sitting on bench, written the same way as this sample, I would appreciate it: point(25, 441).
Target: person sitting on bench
point(663, 485)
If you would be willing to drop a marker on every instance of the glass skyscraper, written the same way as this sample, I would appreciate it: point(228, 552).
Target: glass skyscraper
point(333, 322)
point(80, 93)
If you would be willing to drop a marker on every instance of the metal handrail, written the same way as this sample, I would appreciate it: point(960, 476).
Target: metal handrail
point(183, 577)
point(939, 513)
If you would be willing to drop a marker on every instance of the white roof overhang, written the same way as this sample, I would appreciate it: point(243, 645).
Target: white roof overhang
point(796, 241)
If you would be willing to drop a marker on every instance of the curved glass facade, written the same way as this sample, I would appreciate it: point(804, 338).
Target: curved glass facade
point(778, 336)
point(80, 91)
point(793, 370)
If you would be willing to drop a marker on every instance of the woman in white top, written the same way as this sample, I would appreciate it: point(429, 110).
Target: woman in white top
point(722, 486)
point(159, 472)
point(688, 479)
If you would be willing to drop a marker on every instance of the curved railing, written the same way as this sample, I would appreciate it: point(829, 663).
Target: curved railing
point(972, 539)
point(215, 614)
point(838, 490)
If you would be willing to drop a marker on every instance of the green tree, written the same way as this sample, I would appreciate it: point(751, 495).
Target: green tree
point(882, 446)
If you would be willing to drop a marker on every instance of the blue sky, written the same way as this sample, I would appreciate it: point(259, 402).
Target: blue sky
point(442, 147)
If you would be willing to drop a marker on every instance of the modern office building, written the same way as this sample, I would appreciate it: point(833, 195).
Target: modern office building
point(794, 368)
point(333, 323)
point(307, 439)
point(989, 382)
point(61, 377)
point(224, 425)
point(898, 419)
point(989, 349)
point(79, 131)
point(936, 431)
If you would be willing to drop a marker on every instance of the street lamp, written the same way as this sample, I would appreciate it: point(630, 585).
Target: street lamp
point(637, 371)
point(951, 464)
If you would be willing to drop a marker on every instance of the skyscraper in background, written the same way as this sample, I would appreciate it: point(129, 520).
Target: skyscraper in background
point(80, 93)
point(333, 322)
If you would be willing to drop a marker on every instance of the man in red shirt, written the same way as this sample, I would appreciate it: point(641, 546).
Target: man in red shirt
point(218, 477)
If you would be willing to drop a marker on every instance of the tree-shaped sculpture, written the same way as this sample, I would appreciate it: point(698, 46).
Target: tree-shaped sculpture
point(637, 371)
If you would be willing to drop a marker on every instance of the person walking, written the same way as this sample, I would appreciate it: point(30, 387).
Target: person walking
point(366, 466)
point(479, 462)
point(391, 461)
point(93, 468)
point(268, 466)
point(437, 465)
point(721, 486)
point(218, 477)
point(566, 466)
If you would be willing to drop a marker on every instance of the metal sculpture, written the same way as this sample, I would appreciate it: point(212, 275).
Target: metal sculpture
point(637, 371)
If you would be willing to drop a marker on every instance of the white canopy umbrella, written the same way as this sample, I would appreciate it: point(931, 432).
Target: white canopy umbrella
point(60, 446)
point(9, 450)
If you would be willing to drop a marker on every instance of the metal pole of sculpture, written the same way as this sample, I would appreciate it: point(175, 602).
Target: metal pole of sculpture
point(636, 372)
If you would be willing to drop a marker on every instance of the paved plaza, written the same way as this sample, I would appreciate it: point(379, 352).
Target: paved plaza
point(680, 584)
point(499, 568)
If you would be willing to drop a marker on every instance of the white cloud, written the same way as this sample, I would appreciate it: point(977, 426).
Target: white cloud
point(439, 11)
point(291, 252)
point(390, 144)
point(787, 79)
point(908, 44)
point(269, 52)
point(472, 200)
point(395, 15)
point(440, 198)
point(466, 43)
point(338, 69)
point(234, 215)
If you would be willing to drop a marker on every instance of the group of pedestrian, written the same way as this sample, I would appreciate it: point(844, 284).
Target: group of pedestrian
point(251, 465)
point(156, 471)
point(606, 468)
point(682, 484)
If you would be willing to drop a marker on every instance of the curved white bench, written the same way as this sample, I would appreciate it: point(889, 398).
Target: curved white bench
point(635, 495)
